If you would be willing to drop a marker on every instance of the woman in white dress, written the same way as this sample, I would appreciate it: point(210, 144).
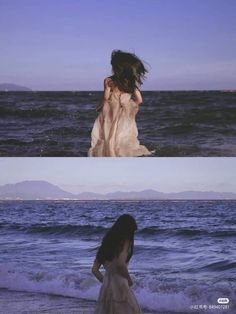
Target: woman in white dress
point(116, 296)
point(115, 131)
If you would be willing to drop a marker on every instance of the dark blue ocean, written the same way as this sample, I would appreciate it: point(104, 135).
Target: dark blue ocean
point(174, 123)
point(184, 254)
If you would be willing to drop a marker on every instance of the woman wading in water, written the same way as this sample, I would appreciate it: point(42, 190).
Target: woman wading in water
point(115, 132)
point(114, 254)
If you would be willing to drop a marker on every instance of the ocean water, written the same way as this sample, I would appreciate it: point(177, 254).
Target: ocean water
point(184, 254)
point(191, 123)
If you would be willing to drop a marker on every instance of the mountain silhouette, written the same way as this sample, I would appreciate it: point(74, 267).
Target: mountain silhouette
point(32, 190)
point(7, 87)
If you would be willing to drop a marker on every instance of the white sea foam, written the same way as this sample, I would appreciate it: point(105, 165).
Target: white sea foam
point(68, 284)
point(151, 293)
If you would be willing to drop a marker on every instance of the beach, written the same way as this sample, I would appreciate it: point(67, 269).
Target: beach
point(15, 302)
point(184, 254)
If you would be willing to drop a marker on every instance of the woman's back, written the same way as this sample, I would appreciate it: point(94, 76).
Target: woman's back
point(115, 295)
point(119, 260)
point(115, 131)
point(114, 88)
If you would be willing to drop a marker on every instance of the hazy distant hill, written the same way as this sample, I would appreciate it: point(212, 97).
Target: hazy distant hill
point(154, 195)
point(202, 195)
point(13, 87)
point(30, 190)
point(145, 194)
point(90, 196)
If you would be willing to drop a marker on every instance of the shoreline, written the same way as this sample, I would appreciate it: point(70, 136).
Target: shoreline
point(23, 302)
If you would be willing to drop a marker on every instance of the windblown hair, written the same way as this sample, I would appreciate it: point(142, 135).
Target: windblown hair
point(113, 241)
point(128, 70)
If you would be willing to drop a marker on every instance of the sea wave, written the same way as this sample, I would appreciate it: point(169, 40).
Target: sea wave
point(88, 229)
point(169, 122)
point(30, 113)
point(187, 232)
point(220, 266)
point(58, 229)
point(152, 292)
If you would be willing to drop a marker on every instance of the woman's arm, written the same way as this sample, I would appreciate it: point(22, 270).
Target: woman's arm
point(96, 272)
point(106, 94)
point(122, 266)
point(137, 96)
point(107, 89)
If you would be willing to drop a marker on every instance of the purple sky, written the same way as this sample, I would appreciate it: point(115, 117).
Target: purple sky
point(66, 44)
point(125, 174)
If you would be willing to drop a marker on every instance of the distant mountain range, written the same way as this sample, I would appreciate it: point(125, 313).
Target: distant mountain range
point(7, 87)
point(43, 190)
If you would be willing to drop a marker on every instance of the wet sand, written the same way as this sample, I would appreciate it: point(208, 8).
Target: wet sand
point(19, 302)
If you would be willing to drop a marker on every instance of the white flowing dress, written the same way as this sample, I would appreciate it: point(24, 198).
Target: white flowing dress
point(115, 132)
point(116, 297)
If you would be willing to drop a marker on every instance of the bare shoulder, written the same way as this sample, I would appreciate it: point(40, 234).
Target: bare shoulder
point(126, 245)
point(124, 252)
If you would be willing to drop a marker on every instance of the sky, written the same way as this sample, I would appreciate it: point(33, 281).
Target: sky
point(66, 44)
point(103, 175)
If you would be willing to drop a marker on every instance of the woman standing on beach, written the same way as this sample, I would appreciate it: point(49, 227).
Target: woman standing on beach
point(114, 254)
point(115, 131)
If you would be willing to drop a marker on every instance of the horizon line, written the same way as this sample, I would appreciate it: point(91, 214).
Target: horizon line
point(125, 200)
point(116, 191)
point(101, 90)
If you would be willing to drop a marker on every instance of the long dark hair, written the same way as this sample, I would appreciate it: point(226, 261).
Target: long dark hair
point(113, 241)
point(128, 70)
